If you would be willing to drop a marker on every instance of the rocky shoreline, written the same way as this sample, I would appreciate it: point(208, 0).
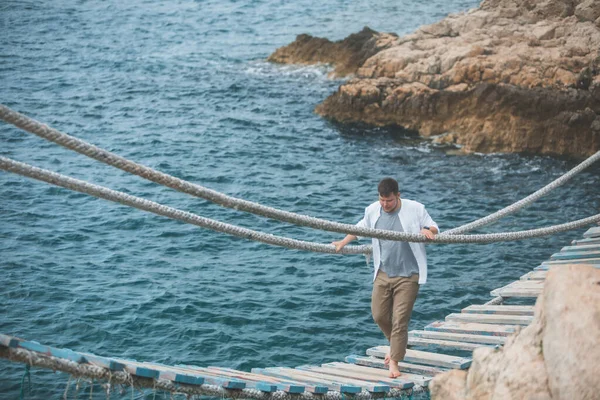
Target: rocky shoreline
point(509, 76)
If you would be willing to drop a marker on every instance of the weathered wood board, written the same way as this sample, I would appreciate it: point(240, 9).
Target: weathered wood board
point(403, 366)
point(420, 380)
point(471, 328)
point(575, 255)
point(592, 233)
point(499, 309)
point(446, 344)
point(424, 357)
point(491, 318)
point(459, 337)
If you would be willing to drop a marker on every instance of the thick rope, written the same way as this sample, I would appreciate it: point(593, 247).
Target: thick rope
point(89, 150)
point(98, 191)
point(170, 212)
point(524, 201)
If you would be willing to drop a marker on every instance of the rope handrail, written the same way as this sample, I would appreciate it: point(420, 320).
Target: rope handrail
point(10, 165)
point(77, 185)
point(30, 125)
point(526, 200)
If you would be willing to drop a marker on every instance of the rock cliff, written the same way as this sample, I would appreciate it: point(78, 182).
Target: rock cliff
point(509, 76)
point(556, 357)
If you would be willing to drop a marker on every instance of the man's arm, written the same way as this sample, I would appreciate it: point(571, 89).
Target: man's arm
point(430, 228)
point(430, 232)
point(340, 245)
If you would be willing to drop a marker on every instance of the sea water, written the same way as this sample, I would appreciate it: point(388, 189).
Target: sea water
point(183, 87)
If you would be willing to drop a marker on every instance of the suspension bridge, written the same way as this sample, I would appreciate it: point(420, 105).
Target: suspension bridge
point(440, 346)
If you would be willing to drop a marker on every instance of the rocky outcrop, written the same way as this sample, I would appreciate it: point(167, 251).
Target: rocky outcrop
point(556, 357)
point(346, 55)
point(510, 76)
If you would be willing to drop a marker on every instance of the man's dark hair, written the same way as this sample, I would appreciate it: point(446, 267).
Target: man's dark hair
point(388, 186)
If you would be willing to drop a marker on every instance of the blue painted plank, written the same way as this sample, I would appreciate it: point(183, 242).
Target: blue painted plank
point(9, 341)
point(104, 362)
point(289, 373)
point(138, 368)
point(545, 266)
point(575, 255)
point(586, 241)
point(374, 387)
point(424, 357)
point(592, 233)
point(308, 386)
point(188, 379)
point(67, 354)
point(287, 387)
point(575, 261)
point(371, 384)
point(34, 346)
point(471, 328)
point(581, 247)
point(214, 379)
point(396, 383)
point(402, 366)
point(176, 373)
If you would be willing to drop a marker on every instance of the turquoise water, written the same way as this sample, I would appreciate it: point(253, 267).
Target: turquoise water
point(183, 87)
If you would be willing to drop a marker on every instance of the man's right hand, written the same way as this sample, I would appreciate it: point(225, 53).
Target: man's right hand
point(338, 245)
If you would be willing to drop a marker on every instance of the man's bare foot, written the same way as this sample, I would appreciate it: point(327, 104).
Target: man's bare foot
point(394, 371)
point(386, 360)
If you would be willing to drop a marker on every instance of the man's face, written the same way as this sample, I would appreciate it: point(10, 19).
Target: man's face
point(390, 202)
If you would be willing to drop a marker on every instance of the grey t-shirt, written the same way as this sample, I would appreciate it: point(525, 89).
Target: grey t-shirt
point(397, 258)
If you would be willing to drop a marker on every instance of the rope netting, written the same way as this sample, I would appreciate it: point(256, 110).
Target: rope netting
point(112, 379)
point(99, 154)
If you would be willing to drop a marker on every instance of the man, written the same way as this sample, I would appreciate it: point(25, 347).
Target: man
point(400, 267)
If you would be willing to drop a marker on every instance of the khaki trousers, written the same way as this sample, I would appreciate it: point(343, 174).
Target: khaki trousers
point(391, 304)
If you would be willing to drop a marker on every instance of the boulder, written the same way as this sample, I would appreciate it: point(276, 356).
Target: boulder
point(553, 358)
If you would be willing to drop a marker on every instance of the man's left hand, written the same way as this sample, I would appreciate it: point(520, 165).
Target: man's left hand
point(427, 233)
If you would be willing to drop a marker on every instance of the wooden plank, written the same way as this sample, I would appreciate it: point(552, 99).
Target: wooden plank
point(9, 341)
point(592, 233)
point(586, 241)
point(491, 318)
point(500, 309)
point(176, 374)
point(296, 375)
point(525, 284)
point(212, 378)
point(370, 386)
point(459, 337)
point(515, 292)
point(68, 354)
point(396, 383)
point(582, 247)
point(545, 266)
point(279, 385)
point(575, 255)
point(580, 261)
point(471, 328)
point(34, 346)
point(310, 387)
point(138, 368)
point(104, 362)
point(520, 289)
point(449, 344)
point(534, 276)
point(402, 366)
point(420, 380)
point(424, 357)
